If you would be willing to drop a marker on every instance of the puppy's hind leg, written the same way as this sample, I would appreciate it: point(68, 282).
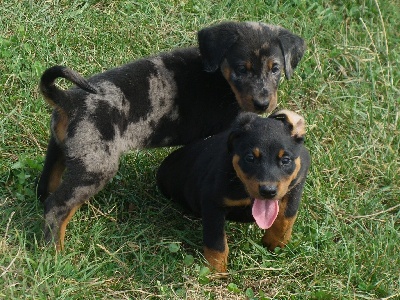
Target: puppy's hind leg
point(53, 169)
point(78, 185)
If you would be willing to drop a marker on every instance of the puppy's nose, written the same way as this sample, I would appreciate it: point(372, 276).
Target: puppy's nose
point(268, 191)
point(261, 105)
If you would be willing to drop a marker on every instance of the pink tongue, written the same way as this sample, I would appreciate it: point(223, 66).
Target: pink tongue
point(265, 212)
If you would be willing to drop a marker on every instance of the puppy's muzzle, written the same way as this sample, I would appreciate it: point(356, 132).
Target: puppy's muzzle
point(261, 105)
point(268, 191)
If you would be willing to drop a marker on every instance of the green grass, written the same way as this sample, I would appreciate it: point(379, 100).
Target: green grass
point(131, 243)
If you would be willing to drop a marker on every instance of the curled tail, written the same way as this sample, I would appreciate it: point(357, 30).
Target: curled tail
point(55, 95)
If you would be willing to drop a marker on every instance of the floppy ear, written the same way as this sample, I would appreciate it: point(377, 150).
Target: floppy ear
point(240, 125)
point(293, 48)
point(214, 41)
point(295, 122)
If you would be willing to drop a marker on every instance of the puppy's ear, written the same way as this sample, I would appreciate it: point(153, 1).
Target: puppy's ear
point(293, 48)
point(214, 42)
point(241, 125)
point(295, 123)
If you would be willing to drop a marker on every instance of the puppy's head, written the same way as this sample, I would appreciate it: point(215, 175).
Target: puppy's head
point(252, 57)
point(266, 152)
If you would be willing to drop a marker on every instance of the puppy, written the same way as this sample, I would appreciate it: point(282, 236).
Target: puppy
point(168, 99)
point(253, 172)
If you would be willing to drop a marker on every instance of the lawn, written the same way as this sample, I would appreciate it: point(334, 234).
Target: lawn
point(129, 242)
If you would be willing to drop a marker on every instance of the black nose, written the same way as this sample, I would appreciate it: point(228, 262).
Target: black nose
point(268, 191)
point(261, 105)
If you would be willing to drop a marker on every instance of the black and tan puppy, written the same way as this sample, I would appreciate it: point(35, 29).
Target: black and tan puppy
point(253, 172)
point(169, 99)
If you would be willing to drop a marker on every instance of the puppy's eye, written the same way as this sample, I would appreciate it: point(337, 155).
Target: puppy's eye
point(241, 70)
point(285, 160)
point(275, 68)
point(249, 158)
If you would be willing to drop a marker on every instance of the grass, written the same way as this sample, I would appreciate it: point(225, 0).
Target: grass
point(131, 243)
